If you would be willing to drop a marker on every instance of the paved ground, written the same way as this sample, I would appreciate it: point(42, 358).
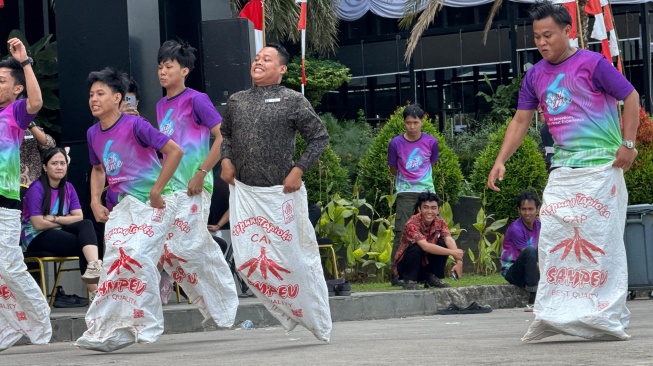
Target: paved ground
point(481, 339)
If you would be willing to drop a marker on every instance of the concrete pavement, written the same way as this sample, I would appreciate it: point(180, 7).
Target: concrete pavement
point(479, 339)
point(69, 324)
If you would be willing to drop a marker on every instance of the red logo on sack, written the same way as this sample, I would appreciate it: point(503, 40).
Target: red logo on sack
point(192, 278)
point(124, 261)
point(283, 291)
point(133, 285)
point(138, 313)
point(194, 209)
point(603, 304)
point(167, 256)
point(5, 292)
point(613, 191)
point(298, 313)
point(179, 275)
point(578, 244)
point(157, 214)
point(288, 211)
point(576, 277)
point(21, 316)
point(266, 265)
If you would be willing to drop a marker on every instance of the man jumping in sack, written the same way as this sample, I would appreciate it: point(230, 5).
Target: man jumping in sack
point(274, 243)
point(583, 283)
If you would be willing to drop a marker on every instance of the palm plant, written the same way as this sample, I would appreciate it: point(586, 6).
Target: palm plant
point(281, 18)
point(429, 10)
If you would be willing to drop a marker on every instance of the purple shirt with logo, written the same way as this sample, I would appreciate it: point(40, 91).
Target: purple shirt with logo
point(14, 119)
point(187, 119)
point(518, 237)
point(32, 207)
point(579, 99)
point(413, 160)
point(127, 152)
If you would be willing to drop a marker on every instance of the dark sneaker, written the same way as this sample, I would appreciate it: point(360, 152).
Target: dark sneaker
point(411, 285)
point(433, 281)
point(61, 300)
point(343, 289)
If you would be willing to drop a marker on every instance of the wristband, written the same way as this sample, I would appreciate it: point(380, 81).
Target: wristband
point(31, 125)
point(27, 61)
point(203, 170)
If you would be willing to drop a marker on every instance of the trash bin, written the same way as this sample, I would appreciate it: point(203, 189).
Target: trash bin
point(638, 238)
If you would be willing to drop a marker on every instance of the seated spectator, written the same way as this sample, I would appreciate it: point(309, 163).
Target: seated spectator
point(53, 221)
point(519, 251)
point(425, 245)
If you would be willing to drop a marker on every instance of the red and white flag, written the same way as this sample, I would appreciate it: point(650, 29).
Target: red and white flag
point(254, 12)
point(301, 25)
point(603, 27)
point(570, 5)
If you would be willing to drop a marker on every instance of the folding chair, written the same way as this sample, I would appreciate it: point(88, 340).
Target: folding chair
point(44, 257)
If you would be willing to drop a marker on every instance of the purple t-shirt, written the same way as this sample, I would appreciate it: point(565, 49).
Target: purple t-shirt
point(32, 207)
point(413, 160)
point(187, 119)
point(579, 99)
point(518, 237)
point(127, 152)
point(14, 119)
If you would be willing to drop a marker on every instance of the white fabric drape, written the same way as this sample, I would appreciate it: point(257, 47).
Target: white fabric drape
point(350, 10)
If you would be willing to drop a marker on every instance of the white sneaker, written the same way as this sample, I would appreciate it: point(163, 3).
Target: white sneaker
point(165, 287)
point(92, 274)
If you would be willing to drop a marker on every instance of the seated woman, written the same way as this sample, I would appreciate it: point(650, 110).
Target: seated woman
point(53, 221)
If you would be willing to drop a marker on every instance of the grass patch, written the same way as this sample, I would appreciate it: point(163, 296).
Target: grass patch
point(466, 280)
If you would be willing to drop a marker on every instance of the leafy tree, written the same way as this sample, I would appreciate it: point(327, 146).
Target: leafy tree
point(44, 54)
point(326, 178)
point(322, 76)
point(525, 170)
point(639, 178)
point(281, 17)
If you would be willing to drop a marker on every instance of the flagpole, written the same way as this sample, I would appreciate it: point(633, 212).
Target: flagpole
point(581, 38)
point(263, 26)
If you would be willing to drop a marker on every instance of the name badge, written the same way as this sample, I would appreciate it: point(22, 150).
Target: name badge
point(273, 100)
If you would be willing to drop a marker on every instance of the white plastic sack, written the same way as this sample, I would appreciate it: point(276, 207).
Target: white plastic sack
point(23, 308)
point(275, 250)
point(195, 261)
point(127, 307)
point(583, 274)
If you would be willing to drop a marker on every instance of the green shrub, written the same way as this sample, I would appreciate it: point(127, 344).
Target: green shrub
point(374, 174)
point(327, 172)
point(525, 170)
point(639, 178)
point(322, 76)
point(349, 139)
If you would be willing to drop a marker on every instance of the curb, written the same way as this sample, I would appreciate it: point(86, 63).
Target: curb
point(185, 318)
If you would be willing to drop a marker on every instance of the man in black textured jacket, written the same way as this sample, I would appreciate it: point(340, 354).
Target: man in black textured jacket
point(260, 125)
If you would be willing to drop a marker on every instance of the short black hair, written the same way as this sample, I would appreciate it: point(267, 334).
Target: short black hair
point(527, 196)
point(284, 56)
point(177, 50)
point(545, 9)
point(116, 80)
point(414, 110)
point(134, 88)
point(16, 72)
point(427, 197)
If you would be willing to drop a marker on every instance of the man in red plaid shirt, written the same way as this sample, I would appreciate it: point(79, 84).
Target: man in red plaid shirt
point(425, 245)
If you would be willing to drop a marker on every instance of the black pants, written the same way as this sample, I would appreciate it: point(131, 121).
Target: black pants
point(524, 272)
point(410, 267)
point(66, 242)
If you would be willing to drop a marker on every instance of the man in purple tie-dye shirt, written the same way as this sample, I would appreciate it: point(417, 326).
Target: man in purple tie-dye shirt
point(25, 312)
